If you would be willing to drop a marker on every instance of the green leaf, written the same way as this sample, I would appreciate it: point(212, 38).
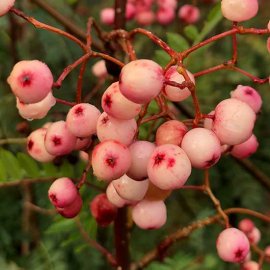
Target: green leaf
point(67, 169)
point(191, 31)
point(62, 225)
point(161, 57)
point(177, 42)
point(214, 17)
point(29, 165)
point(3, 172)
point(49, 170)
point(11, 165)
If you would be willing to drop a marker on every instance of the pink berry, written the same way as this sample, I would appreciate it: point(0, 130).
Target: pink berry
point(232, 245)
point(245, 149)
point(71, 210)
point(248, 95)
point(36, 110)
point(130, 189)
point(30, 81)
point(36, 148)
point(165, 16)
point(234, 121)
point(141, 80)
point(189, 14)
point(246, 225)
point(145, 17)
point(254, 236)
point(5, 6)
point(59, 140)
point(173, 93)
point(62, 192)
point(250, 265)
point(267, 251)
point(167, 4)
point(117, 105)
point(82, 120)
point(202, 147)
point(208, 122)
point(130, 11)
point(171, 132)
point(268, 44)
point(140, 154)
point(83, 143)
point(99, 69)
point(110, 128)
point(149, 214)
point(115, 198)
point(107, 16)
point(110, 160)
point(103, 210)
point(239, 10)
point(169, 167)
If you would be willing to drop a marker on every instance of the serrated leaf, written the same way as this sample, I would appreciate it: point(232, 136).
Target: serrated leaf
point(11, 164)
point(177, 42)
point(191, 31)
point(29, 165)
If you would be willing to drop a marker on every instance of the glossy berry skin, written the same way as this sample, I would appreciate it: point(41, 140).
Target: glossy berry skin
point(250, 265)
point(30, 81)
point(103, 210)
point(59, 140)
point(141, 80)
point(110, 128)
point(232, 245)
point(202, 147)
point(245, 149)
point(189, 14)
point(71, 210)
point(246, 225)
point(140, 154)
point(82, 120)
point(36, 148)
point(110, 160)
point(5, 6)
point(234, 121)
point(149, 214)
point(173, 93)
point(36, 110)
point(169, 167)
point(62, 192)
point(117, 105)
point(171, 132)
point(239, 10)
point(248, 95)
point(130, 189)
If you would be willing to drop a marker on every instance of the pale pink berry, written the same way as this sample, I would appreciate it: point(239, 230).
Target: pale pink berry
point(83, 143)
point(202, 147)
point(62, 192)
point(59, 140)
point(82, 120)
point(115, 198)
point(234, 121)
point(117, 105)
point(103, 210)
point(110, 128)
point(232, 245)
point(5, 6)
point(145, 17)
point(130, 189)
point(141, 152)
point(141, 80)
point(30, 81)
point(239, 10)
point(107, 16)
point(169, 167)
point(130, 11)
point(268, 44)
point(171, 132)
point(110, 160)
point(71, 210)
point(248, 95)
point(165, 16)
point(246, 225)
point(267, 251)
point(167, 3)
point(36, 148)
point(175, 93)
point(245, 149)
point(268, 25)
point(149, 214)
point(37, 110)
point(84, 156)
point(99, 69)
point(208, 122)
point(154, 193)
point(254, 236)
point(189, 14)
point(250, 265)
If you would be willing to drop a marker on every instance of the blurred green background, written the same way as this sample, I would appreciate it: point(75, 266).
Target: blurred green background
point(40, 242)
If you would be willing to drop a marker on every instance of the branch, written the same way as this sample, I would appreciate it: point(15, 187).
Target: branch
point(120, 14)
point(16, 183)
